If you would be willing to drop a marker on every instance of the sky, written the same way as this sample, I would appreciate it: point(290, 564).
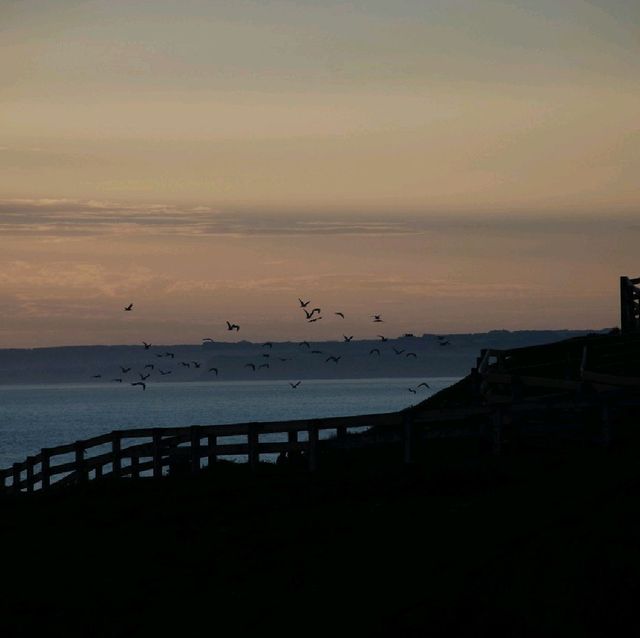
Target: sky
point(454, 165)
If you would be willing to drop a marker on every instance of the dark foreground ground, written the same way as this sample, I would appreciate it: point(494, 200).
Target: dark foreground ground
point(537, 543)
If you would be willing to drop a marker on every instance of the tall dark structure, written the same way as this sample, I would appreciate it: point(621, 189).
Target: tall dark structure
point(630, 305)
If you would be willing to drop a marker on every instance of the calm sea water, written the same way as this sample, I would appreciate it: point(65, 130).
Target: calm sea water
point(37, 416)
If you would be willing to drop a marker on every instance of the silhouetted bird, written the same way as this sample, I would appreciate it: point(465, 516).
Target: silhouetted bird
point(308, 314)
point(117, 380)
point(411, 354)
point(377, 319)
point(334, 359)
point(383, 339)
point(144, 385)
point(125, 370)
point(169, 354)
point(304, 304)
point(163, 372)
point(214, 370)
point(97, 376)
point(263, 365)
point(316, 352)
point(445, 343)
point(185, 364)
point(143, 377)
point(159, 355)
point(374, 351)
point(250, 365)
point(196, 364)
point(150, 365)
point(347, 339)
point(232, 326)
point(340, 314)
point(304, 343)
point(314, 319)
point(295, 385)
point(411, 390)
point(426, 385)
point(318, 310)
point(267, 344)
point(208, 340)
point(397, 351)
point(129, 308)
point(146, 345)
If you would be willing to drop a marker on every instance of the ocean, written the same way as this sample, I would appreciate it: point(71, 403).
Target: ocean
point(37, 416)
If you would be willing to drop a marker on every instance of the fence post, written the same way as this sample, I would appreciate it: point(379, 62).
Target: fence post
point(212, 444)
point(116, 449)
point(98, 471)
point(313, 447)
point(194, 432)
point(407, 423)
point(341, 432)
point(30, 482)
point(16, 477)
point(80, 464)
point(135, 465)
point(253, 439)
point(45, 469)
point(157, 453)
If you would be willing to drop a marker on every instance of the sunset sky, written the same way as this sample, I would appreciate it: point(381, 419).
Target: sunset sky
point(454, 165)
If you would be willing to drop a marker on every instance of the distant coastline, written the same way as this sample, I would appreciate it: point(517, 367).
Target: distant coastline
point(286, 360)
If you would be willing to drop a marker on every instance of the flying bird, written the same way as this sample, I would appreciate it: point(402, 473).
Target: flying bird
point(125, 370)
point(185, 364)
point(143, 385)
point(397, 351)
point(208, 340)
point(117, 380)
point(169, 354)
point(377, 319)
point(340, 314)
point(263, 365)
point(411, 354)
point(347, 339)
point(304, 343)
point(97, 376)
point(250, 365)
point(267, 344)
point(426, 385)
point(334, 359)
point(304, 304)
point(316, 352)
point(232, 326)
point(150, 365)
point(146, 345)
point(196, 364)
point(129, 308)
point(445, 343)
point(214, 370)
point(314, 319)
point(143, 377)
point(411, 390)
point(318, 310)
point(374, 351)
point(295, 385)
point(164, 372)
point(383, 339)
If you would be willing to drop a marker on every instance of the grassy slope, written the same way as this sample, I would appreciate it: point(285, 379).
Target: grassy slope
point(537, 543)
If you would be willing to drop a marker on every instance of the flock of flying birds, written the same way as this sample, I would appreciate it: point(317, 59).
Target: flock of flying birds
point(311, 316)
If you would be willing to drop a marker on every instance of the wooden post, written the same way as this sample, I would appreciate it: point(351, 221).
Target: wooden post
point(135, 466)
point(116, 449)
point(313, 448)
point(194, 432)
point(30, 481)
point(407, 423)
point(80, 464)
point(98, 471)
point(157, 453)
point(212, 445)
point(16, 477)
point(341, 432)
point(45, 469)
point(498, 418)
point(253, 439)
